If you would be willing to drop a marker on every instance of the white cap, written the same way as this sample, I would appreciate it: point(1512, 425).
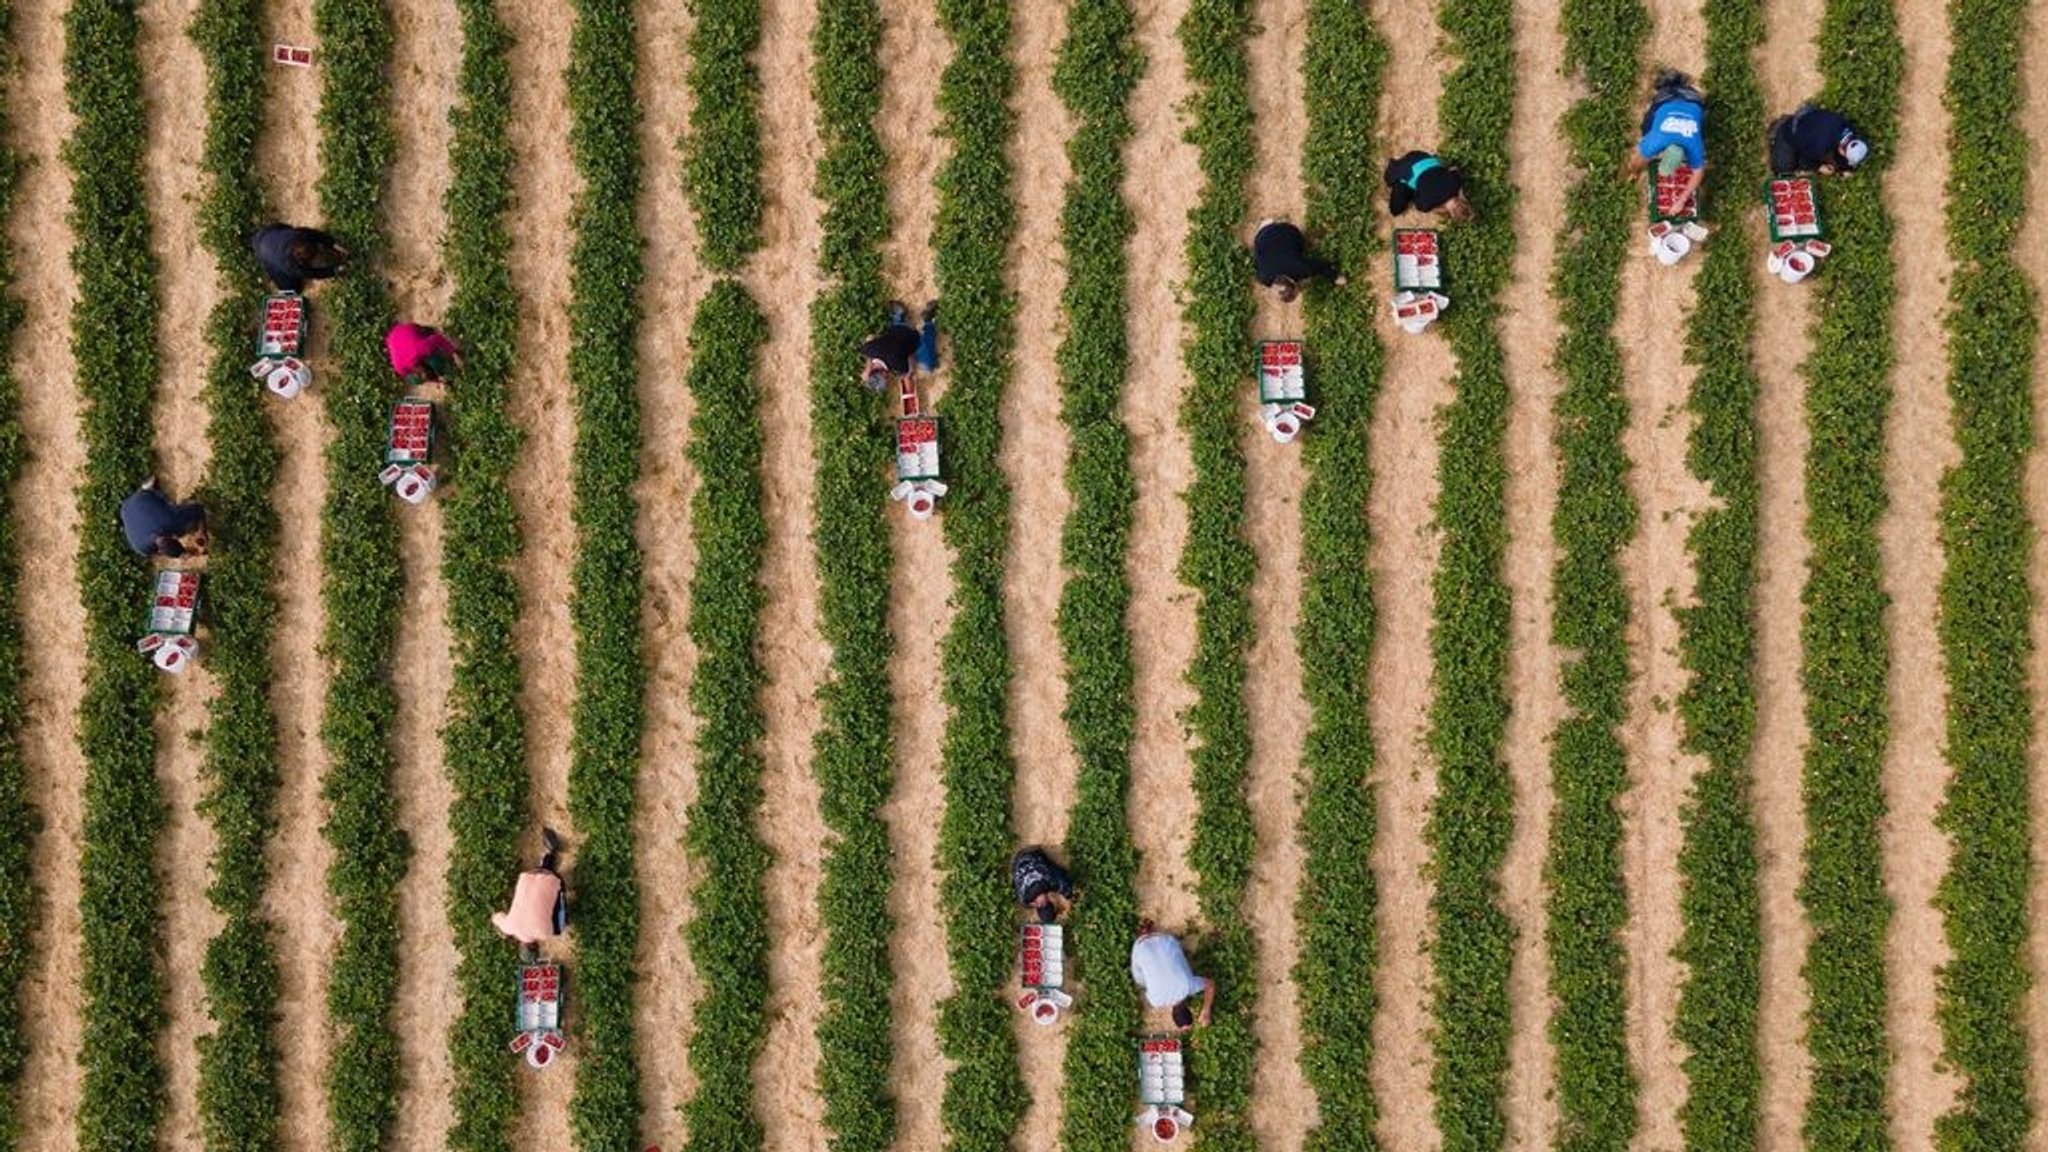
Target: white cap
point(1853, 150)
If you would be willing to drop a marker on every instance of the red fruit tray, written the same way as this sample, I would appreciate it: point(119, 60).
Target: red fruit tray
point(281, 329)
point(1792, 206)
point(174, 607)
point(1282, 376)
point(411, 436)
point(1664, 201)
point(1418, 260)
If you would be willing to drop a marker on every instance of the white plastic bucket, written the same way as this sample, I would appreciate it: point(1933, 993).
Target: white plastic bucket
point(1285, 427)
point(1165, 1128)
point(412, 486)
point(288, 378)
point(174, 656)
point(539, 1056)
point(1671, 247)
point(1045, 1012)
point(922, 504)
point(1796, 267)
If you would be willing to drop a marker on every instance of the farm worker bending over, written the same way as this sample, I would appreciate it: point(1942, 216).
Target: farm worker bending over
point(1040, 883)
point(1674, 131)
point(1160, 966)
point(1421, 180)
point(891, 351)
point(291, 256)
point(1280, 257)
point(154, 526)
point(540, 905)
point(1815, 139)
point(419, 351)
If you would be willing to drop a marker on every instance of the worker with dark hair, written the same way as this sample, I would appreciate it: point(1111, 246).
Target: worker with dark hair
point(420, 352)
point(154, 526)
point(1160, 966)
point(540, 904)
point(1423, 181)
point(1281, 260)
point(1040, 883)
point(1813, 139)
point(291, 256)
point(893, 350)
point(1674, 132)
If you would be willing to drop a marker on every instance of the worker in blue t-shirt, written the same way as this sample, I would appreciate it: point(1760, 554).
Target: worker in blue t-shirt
point(1674, 132)
point(1813, 139)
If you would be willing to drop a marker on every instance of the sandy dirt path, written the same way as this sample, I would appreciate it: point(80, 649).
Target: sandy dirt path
point(1919, 449)
point(1283, 1106)
point(1657, 567)
point(1402, 512)
point(1161, 185)
point(545, 185)
point(289, 165)
point(914, 50)
point(665, 988)
point(428, 39)
point(1033, 457)
point(784, 280)
point(47, 522)
point(174, 96)
point(2033, 256)
point(1539, 160)
point(1788, 74)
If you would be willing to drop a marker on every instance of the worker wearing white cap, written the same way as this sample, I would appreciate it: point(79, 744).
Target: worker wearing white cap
point(1674, 132)
point(1814, 139)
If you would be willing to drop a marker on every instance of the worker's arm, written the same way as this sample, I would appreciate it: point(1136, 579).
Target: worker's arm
point(1635, 163)
point(1208, 1001)
point(1692, 183)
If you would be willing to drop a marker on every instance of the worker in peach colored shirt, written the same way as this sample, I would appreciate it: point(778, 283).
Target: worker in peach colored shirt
point(540, 906)
point(419, 351)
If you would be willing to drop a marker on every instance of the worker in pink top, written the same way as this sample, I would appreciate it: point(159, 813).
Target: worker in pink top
point(419, 351)
point(540, 904)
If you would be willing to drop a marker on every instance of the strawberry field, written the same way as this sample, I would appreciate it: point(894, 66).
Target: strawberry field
point(1617, 721)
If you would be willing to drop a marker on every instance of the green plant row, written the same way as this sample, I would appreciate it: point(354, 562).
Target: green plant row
point(1721, 937)
point(1846, 658)
point(722, 154)
point(1342, 65)
point(114, 346)
point(362, 583)
point(984, 1094)
point(604, 606)
point(1985, 599)
point(1594, 520)
point(238, 1063)
point(1473, 816)
point(729, 933)
point(1218, 562)
point(20, 905)
point(483, 742)
point(1096, 68)
point(854, 752)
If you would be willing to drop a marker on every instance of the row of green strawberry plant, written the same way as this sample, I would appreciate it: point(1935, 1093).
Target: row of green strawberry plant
point(114, 346)
point(728, 933)
point(1096, 68)
point(238, 1063)
point(984, 1093)
point(1594, 519)
point(362, 583)
point(1473, 814)
point(1218, 562)
point(1846, 658)
point(604, 606)
point(853, 755)
point(483, 743)
point(1721, 939)
point(1985, 600)
point(20, 904)
point(722, 153)
point(1342, 64)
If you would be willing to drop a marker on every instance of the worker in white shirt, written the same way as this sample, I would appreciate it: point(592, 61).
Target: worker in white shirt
point(1160, 966)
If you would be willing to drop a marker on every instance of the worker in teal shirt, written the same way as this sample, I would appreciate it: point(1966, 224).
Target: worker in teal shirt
point(1674, 132)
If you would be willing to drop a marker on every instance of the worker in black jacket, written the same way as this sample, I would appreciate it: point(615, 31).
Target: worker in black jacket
point(1280, 257)
point(1422, 180)
point(1814, 139)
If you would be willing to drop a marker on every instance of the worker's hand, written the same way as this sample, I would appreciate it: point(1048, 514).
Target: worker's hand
point(1202, 1021)
point(1341, 281)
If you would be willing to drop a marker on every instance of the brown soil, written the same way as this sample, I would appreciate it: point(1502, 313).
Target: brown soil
point(1919, 448)
point(428, 40)
point(665, 988)
point(1789, 74)
point(39, 242)
point(1415, 387)
point(174, 82)
point(1283, 1106)
point(289, 165)
point(919, 610)
point(1161, 188)
point(1529, 330)
point(545, 184)
point(784, 279)
point(1659, 573)
point(1033, 458)
point(2033, 255)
